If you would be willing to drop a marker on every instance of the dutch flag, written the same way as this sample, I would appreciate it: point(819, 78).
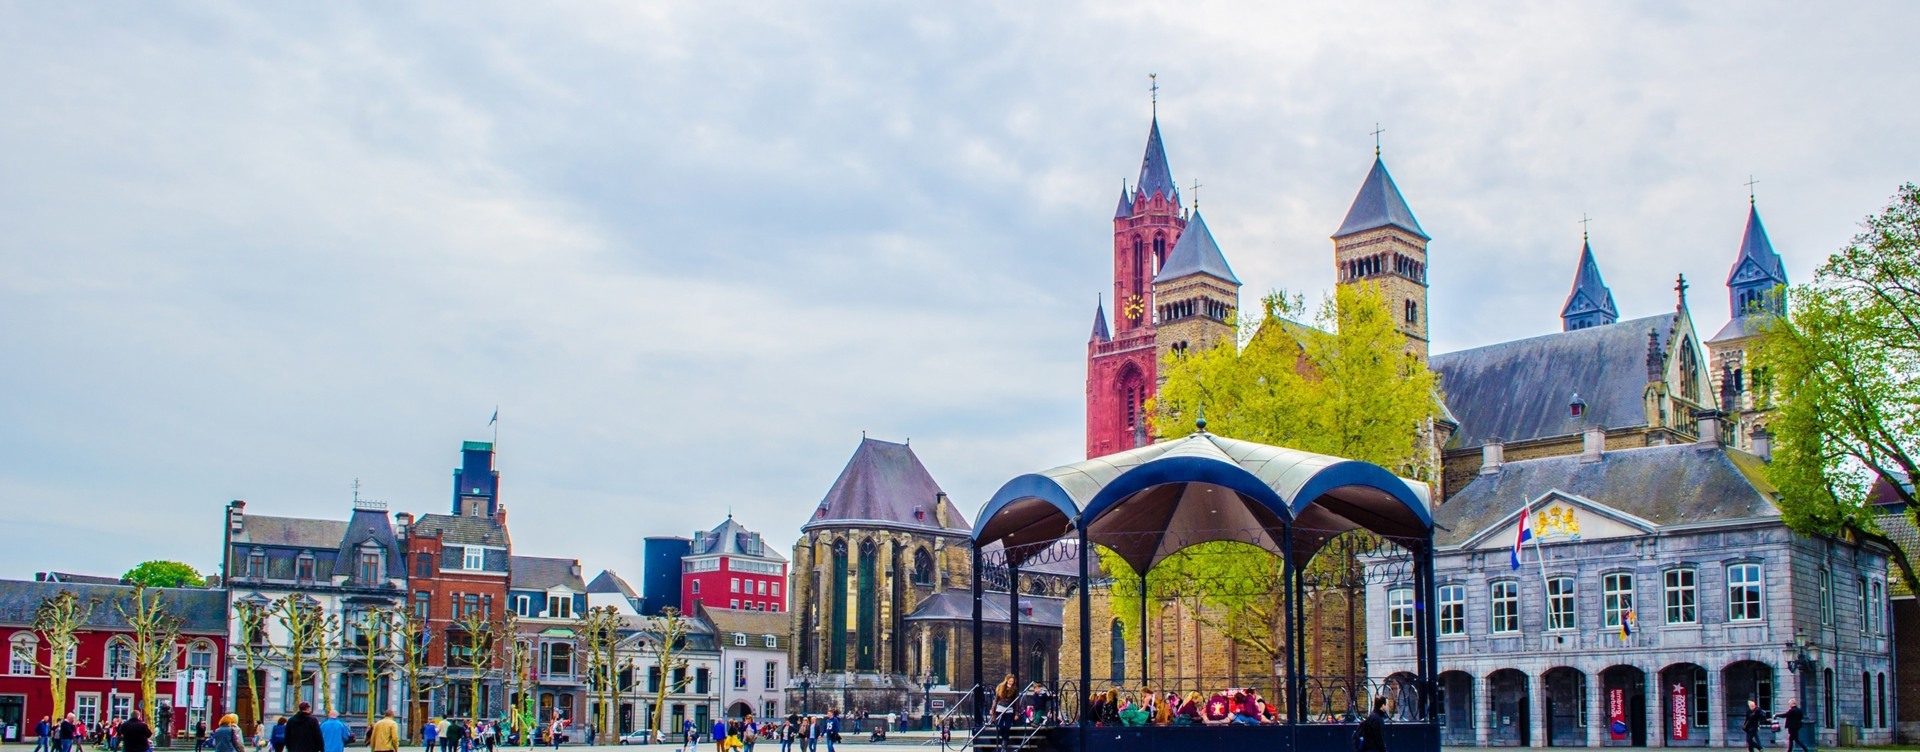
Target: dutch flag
point(1524, 534)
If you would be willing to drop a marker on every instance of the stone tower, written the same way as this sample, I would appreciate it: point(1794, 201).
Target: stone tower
point(1194, 295)
point(1122, 366)
point(1381, 243)
point(1591, 302)
point(1754, 292)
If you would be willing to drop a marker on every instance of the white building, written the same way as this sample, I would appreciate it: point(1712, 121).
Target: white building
point(753, 660)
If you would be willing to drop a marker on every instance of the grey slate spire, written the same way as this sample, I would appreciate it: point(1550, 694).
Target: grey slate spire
point(1126, 203)
point(1155, 176)
point(1196, 253)
point(1100, 332)
point(1756, 272)
point(1590, 303)
point(1378, 205)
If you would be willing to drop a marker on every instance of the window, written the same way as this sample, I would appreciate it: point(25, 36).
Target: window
point(770, 710)
point(523, 605)
point(303, 567)
point(733, 586)
point(1616, 596)
point(1860, 589)
point(739, 639)
point(20, 654)
point(701, 680)
point(1826, 596)
point(474, 559)
point(696, 587)
point(119, 660)
point(369, 566)
point(1560, 603)
point(772, 642)
point(1117, 654)
point(1453, 610)
point(761, 588)
point(200, 658)
point(740, 673)
point(1826, 682)
point(86, 708)
point(119, 706)
point(1743, 592)
point(423, 565)
point(1679, 590)
point(1883, 699)
point(776, 590)
point(421, 600)
point(472, 603)
point(1505, 607)
point(559, 606)
point(558, 658)
point(1876, 609)
point(1866, 700)
point(257, 564)
point(653, 678)
point(922, 568)
point(735, 603)
point(773, 675)
point(1400, 613)
point(73, 660)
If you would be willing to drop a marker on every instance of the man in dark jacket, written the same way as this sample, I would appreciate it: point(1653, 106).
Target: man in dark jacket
point(1794, 719)
point(303, 731)
point(1373, 730)
point(135, 736)
point(1755, 717)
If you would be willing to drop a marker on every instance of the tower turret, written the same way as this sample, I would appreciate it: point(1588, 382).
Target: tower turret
point(1381, 243)
point(1757, 272)
point(1591, 303)
point(1195, 294)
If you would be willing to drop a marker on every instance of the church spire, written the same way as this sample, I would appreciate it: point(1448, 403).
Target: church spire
point(1196, 253)
point(1155, 176)
point(1126, 203)
point(1379, 204)
point(1100, 333)
point(1590, 303)
point(1757, 271)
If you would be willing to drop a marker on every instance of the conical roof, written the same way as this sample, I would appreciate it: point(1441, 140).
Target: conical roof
point(1378, 205)
point(1155, 176)
point(1590, 293)
point(1126, 203)
point(1100, 332)
point(1196, 253)
point(1756, 250)
point(884, 485)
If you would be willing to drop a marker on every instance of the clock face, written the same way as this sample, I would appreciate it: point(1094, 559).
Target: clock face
point(1135, 307)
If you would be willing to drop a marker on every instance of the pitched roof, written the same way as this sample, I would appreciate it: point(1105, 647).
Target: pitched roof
point(608, 582)
point(732, 539)
point(1590, 293)
point(84, 579)
point(299, 532)
point(885, 483)
point(462, 529)
point(543, 572)
point(1196, 253)
point(371, 524)
point(1665, 485)
point(1100, 332)
point(957, 605)
point(1155, 176)
point(1520, 390)
point(754, 624)
point(200, 610)
point(1379, 204)
point(1125, 209)
point(1756, 247)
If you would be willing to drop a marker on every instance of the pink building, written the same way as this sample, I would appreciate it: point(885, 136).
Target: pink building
point(731, 567)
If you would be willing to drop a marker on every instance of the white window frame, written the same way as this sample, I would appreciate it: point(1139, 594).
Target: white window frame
point(1680, 601)
point(776, 590)
point(1563, 607)
point(773, 675)
point(773, 642)
point(1453, 610)
point(1616, 597)
point(1503, 607)
point(735, 603)
point(559, 606)
point(1826, 595)
point(696, 587)
point(739, 639)
point(200, 657)
point(473, 558)
point(86, 707)
point(523, 605)
point(1750, 604)
point(119, 705)
point(23, 654)
point(1400, 613)
point(119, 655)
point(733, 585)
point(1876, 612)
point(740, 673)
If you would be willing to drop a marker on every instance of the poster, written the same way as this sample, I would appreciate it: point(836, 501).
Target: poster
point(1617, 713)
point(199, 695)
point(179, 690)
point(1679, 713)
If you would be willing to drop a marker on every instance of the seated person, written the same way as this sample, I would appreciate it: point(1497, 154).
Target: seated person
point(1189, 714)
point(1245, 711)
point(1219, 709)
point(1110, 709)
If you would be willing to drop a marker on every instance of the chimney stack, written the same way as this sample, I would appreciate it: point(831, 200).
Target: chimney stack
point(1709, 422)
point(1492, 455)
point(1593, 444)
point(1762, 443)
point(402, 522)
point(236, 516)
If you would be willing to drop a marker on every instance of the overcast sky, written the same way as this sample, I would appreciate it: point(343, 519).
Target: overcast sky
point(693, 250)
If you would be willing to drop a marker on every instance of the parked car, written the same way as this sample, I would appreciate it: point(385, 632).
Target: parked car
point(642, 736)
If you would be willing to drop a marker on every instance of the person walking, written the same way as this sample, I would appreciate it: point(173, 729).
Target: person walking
point(303, 731)
point(79, 734)
point(199, 736)
point(429, 735)
point(259, 739)
point(42, 742)
point(1755, 717)
point(832, 732)
point(277, 738)
point(719, 734)
point(226, 738)
point(334, 733)
point(1794, 719)
point(63, 736)
point(134, 734)
point(452, 735)
point(492, 732)
point(384, 736)
point(1373, 730)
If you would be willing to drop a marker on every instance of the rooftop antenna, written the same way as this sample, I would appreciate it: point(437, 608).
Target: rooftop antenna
point(1153, 88)
point(1750, 183)
point(1377, 130)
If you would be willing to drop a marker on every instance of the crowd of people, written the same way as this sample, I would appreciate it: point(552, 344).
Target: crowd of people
point(795, 733)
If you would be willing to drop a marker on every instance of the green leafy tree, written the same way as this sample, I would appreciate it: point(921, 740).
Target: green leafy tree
point(162, 573)
point(1842, 375)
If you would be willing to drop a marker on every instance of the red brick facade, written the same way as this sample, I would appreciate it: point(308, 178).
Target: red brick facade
point(1122, 372)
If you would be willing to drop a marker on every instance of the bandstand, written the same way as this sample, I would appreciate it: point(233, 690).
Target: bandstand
point(1148, 504)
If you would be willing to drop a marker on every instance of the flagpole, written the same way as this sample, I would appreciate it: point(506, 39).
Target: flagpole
point(1541, 555)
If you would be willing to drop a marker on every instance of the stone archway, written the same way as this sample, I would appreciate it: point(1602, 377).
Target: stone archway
point(1564, 692)
point(1507, 726)
point(1623, 705)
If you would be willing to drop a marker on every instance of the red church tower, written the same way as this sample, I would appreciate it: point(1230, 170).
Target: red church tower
point(1121, 365)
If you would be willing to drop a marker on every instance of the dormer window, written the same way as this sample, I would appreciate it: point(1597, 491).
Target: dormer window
point(772, 642)
point(559, 607)
point(474, 559)
point(739, 640)
point(370, 569)
point(303, 567)
point(257, 564)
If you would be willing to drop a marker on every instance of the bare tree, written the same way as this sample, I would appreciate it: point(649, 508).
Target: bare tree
point(156, 639)
point(666, 640)
point(376, 630)
point(57, 620)
point(519, 666)
point(252, 646)
point(326, 650)
point(480, 655)
point(305, 626)
point(598, 633)
point(412, 640)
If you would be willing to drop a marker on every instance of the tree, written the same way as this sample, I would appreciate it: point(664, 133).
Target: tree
point(375, 641)
point(598, 633)
point(666, 640)
point(166, 574)
point(1842, 375)
point(57, 620)
point(251, 645)
point(156, 639)
point(479, 653)
point(307, 629)
point(413, 637)
point(519, 675)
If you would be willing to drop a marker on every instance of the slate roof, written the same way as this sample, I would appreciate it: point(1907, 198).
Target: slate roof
point(372, 525)
point(543, 572)
point(608, 582)
point(1100, 332)
point(1674, 484)
point(1125, 209)
point(1155, 176)
point(885, 483)
point(1379, 204)
point(462, 530)
point(1520, 390)
point(1590, 292)
point(1899, 530)
point(732, 539)
point(84, 579)
point(1756, 247)
point(1736, 328)
point(200, 610)
point(1196, 253)
point(756, 625)
point(957, 605)
point(297, 532)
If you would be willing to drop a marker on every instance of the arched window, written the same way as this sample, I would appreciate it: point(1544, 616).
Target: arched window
point(1689, 366)
point(21, 659)
point(868, 625)
point(837, 608)
point(922, 567)
point(119, 659)
point(1826, 697)
point(1139, 260)
point(1159, 249)
point(1117, 671)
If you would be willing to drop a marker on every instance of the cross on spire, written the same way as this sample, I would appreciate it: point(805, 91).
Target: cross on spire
point(1377, 130)
point(1196, 194)
point(1153, 89)
point(1584, 220)
point(1750, 183)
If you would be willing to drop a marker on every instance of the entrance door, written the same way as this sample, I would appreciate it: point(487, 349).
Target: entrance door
point(1623, 707)
point(13, 717)
point(1566, 694)
point(1508, 726)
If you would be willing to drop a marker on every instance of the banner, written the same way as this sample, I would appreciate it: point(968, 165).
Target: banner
point(199, 689)
point(1679, 711)
point(179, 690)
point(1617, 713)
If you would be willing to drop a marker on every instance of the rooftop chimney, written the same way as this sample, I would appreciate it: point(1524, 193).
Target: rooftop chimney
point(402, 522)
point(1492, 454)
point(1709, 422)
point(1762, 443)
point(1593, 444)
point(940, 508)
point(236, 516)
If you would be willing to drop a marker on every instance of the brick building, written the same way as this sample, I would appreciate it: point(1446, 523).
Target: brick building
point(731, 567)
point(457, 565)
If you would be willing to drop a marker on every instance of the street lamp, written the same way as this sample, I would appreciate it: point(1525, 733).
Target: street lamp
point(926, 689)
point(806, 677)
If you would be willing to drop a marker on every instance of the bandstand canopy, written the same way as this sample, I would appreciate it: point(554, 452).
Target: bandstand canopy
point(1148, 503)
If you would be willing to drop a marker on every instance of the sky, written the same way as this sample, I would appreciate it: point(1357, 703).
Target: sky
point(691, 251)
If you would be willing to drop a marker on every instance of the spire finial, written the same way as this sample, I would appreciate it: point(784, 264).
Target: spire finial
point(356, 490)
point(1196, 194)
point(1750, 183)
point(1153, 90)
point(1584, 219)
point(1200, 420)
point(1377, 130)
point(1680, 289)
